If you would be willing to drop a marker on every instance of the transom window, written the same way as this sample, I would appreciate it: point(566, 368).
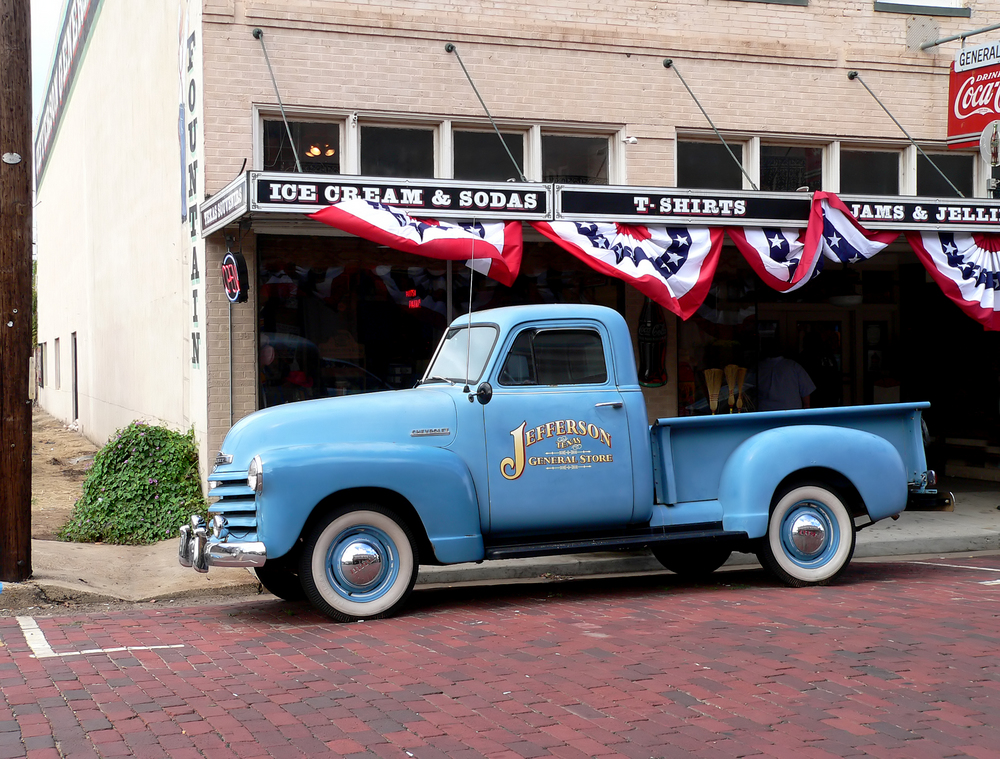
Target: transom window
point(316, 143)
point(709, 166)
point(413, 149)
point(869, 172)
point(574, 160)
point(397, 152)
point(482, 156)
point(958, 168)
point(787, 168)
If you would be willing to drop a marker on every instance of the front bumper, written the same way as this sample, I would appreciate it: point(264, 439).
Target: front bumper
point(199, 550)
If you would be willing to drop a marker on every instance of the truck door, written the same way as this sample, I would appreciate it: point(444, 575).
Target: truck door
point(557, 440)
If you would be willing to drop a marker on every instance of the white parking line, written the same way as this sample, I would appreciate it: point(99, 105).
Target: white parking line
point(40, 648)
point(955, 566)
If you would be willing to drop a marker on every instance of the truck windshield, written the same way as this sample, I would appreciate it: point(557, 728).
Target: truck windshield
point(453, 357)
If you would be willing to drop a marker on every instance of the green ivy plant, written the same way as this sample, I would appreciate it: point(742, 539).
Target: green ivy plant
point(143, 486)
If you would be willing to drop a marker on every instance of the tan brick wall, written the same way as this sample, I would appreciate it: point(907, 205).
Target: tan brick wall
point(758, 69)
point(238, 320)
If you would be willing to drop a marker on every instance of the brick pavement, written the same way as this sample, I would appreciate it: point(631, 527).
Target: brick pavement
point(897, 662)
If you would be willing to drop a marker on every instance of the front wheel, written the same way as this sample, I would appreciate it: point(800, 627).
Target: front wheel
point(810, 537)
point(359, 562)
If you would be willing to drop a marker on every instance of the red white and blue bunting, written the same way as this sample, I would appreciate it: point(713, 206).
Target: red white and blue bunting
point(675, 265)
point(672, 265)
point(492, 248)
point(788, 258)
point(966, 266)
point(842, 238)
point(778, 256)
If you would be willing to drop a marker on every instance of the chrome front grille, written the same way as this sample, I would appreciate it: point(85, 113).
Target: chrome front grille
point(235, 501)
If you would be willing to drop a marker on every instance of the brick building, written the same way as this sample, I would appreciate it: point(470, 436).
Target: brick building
point(159, 113)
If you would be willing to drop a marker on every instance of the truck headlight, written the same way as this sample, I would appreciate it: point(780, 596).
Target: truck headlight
point(255, 475)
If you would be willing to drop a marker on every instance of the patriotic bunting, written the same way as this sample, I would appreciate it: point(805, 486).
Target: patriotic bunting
point(842, 238)
point(493, 249)
point(788, 258)
point(966, 267)
point(777, 255)
point(672, 265)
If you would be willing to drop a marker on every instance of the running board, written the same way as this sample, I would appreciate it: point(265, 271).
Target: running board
point(610, 543)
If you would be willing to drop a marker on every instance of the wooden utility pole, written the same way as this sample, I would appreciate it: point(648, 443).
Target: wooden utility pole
point(15, 289)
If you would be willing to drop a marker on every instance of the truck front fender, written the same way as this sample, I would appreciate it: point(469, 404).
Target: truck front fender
point(757, 467)
point(435, 481)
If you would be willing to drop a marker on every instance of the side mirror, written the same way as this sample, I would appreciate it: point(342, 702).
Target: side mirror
point(484, 393)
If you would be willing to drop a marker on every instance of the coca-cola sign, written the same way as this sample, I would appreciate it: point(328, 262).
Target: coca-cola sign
point(973, 95)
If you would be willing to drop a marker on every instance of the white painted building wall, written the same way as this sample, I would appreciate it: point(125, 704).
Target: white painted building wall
point(113, 263)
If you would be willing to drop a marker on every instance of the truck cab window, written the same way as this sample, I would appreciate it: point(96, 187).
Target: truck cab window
point(555, 357)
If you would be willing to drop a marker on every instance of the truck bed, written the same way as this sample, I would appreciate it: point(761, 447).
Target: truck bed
point(690, 452)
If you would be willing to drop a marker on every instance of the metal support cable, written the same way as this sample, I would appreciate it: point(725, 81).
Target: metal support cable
point(258, 34)
point(962, 37)
point(856, 75)
point(669, 64)
point(450, 48)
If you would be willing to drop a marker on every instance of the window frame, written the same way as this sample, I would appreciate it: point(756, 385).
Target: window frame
point(351, 122)
point(924, 7)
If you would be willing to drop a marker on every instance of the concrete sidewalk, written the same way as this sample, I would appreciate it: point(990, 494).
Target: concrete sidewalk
point(83, 572)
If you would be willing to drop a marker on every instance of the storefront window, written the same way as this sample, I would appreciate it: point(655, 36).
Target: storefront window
point(957, 167)
point(785, 168)
point(339, 316)
point(317, 143)
point(344, 316)
point(574, 160)
point(397, 152)
point(869, 172)
point(708, 166)
point(481, 156)
point(723, 332)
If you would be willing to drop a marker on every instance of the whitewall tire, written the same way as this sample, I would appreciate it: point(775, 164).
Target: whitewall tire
point(810, 536)
point(359, 562)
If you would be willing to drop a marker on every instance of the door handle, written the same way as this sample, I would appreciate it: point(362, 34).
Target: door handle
point(613, 404)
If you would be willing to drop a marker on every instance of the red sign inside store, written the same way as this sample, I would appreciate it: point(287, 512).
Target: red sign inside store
point(973, 102)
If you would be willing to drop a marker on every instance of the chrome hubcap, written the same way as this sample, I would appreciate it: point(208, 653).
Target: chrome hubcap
point(361, 563)
point(808, 534)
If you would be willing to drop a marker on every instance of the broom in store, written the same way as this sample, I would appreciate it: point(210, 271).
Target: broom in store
point(713, 378)
point(740, 376)
point(732, 370)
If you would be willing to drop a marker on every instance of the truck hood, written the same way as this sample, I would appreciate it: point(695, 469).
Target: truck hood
point(419, 416)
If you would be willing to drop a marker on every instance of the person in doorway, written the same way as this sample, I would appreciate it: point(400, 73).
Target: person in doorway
point(781, 382)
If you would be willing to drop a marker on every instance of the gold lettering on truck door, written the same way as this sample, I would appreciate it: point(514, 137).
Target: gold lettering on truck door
point(516, 463)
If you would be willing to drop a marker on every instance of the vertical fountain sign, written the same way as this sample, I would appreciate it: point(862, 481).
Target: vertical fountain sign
point(190, 127)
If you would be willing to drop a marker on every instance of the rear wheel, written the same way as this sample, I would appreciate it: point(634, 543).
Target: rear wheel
point(359, 562)
point(692, 561)
point(279, 580)
point(810, 536)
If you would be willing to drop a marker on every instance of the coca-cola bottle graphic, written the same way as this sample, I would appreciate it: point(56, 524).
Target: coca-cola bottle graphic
point(652, 345)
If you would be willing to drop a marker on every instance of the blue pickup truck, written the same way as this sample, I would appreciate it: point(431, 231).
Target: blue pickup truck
point(528, 436)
